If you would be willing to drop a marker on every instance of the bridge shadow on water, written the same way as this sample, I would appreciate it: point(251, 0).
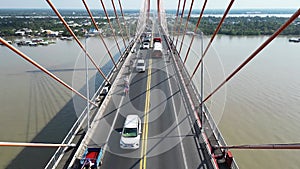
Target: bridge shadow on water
point(56, 129)
point(53, 132)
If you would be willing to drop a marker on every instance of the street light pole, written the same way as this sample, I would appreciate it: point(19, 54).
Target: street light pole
point(202, 81)
point(87, 83)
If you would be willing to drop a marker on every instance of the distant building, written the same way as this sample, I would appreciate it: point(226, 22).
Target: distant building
point(94, 31)
point(75, 25)
point(51, 33)
point(20, 33)
point(27, 31)
point(23, 32)
point(87, 23)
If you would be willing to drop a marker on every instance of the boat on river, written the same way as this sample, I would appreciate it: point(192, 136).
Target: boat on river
point(295, 40)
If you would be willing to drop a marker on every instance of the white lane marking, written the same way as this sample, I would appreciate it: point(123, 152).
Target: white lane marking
point(174, 109)
point(117, 114)
point(112, 126)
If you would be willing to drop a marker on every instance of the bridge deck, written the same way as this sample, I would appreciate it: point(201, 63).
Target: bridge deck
point(170, 140)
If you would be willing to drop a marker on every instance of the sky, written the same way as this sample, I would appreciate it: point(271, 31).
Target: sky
point(136, 4)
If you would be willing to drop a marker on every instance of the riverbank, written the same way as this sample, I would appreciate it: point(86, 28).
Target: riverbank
point(44, 23)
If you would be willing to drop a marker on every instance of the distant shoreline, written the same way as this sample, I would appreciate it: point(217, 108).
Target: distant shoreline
point(240, 22)
point(168, 11)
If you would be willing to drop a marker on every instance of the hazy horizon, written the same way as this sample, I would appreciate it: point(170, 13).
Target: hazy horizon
point(155, 9)
point(167, 4)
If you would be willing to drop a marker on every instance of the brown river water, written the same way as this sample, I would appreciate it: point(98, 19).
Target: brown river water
point(261, 104)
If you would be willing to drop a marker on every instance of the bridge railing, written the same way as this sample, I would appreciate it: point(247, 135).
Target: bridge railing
point(55, 159)
point(195, 98)
point(71, 134)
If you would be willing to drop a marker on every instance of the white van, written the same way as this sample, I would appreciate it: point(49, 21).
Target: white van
point(140, 65)
point(131, 134)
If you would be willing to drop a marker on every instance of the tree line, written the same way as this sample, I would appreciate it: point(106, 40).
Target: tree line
point(8, 26)
point(239, 26)
point(247, 25)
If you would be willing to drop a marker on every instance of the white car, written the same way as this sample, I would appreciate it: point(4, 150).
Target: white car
point(140, 66)
point(146, 45)
point(131, 134)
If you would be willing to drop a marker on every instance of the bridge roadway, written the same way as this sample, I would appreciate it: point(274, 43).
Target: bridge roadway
point(168, 139)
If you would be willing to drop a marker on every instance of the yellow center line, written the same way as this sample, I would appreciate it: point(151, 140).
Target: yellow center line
point(146, 117)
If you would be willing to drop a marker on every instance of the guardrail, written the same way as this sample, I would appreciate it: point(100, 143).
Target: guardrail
point(70, 136)
point(53, 162)
point(207, 115)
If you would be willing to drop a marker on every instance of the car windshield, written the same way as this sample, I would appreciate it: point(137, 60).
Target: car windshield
point(140, 64)
point(130, 132)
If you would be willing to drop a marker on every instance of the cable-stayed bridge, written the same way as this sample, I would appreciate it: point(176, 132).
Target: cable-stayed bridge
point(177, 129)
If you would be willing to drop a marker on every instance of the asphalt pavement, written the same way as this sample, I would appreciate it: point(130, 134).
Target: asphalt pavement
point(168, 139)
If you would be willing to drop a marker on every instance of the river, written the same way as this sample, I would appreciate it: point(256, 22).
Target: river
point(34, 107)
point(259, 105)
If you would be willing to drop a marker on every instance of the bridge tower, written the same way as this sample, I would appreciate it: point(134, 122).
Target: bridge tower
point(148, 9)
point(158, 10)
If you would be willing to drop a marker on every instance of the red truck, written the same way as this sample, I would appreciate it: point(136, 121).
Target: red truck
point(157, 39)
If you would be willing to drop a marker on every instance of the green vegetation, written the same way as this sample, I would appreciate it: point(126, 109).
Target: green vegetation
point(79, 22)
point(9, 25)
point(37, 20)
point(247, 25)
